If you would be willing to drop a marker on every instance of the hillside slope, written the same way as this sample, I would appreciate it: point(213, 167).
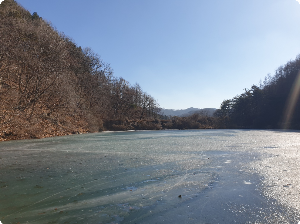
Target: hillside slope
point(274, 104)
point(49, 86)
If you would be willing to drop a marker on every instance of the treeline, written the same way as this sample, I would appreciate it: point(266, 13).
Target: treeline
point(273, 104)
point(194, 121)
point(50, 86)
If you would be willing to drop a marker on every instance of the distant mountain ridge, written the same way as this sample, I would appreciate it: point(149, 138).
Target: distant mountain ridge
point(188, 112)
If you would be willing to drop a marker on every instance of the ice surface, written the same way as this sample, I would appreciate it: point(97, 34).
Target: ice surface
point(138, 177)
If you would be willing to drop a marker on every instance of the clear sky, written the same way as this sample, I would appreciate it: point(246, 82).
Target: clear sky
point(184, 53)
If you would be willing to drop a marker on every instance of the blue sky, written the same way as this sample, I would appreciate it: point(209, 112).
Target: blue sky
point(184, 53)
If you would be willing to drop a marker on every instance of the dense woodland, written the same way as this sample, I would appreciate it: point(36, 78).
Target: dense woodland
point(49, 86)
point(274, 104)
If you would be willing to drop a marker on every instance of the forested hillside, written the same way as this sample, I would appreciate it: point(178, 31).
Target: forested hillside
point(273, 104)
point(50, 86)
